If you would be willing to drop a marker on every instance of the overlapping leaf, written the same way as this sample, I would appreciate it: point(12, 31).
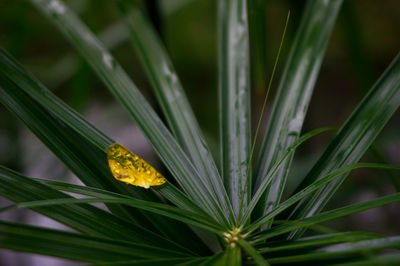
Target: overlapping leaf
point(125, 91)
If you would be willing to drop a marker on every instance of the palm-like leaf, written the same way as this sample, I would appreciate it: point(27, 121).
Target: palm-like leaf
point(212, 217)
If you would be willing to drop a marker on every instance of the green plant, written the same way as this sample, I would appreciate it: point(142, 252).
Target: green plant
point(225, 217)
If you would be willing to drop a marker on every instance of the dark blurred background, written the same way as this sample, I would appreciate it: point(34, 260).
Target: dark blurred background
point(365, 40)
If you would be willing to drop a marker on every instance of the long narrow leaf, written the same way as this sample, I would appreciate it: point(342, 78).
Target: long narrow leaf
point(76, 142)
point(386, 259)
point(12, 71)
point(313, 187)
point(293, 96)
point(83, 217)
point(258, 193)
point(172, 98)
point(234, 97)
point(250, 164)
point(75, 246)
point(214, 260)
point(98, 193)
point(337, 250)
point(161, 209)
point(258, 258)
point(82, 157)
point(183, 201)
point(318, 241)
point(168, 191)
point(229, 257)
point(354, 138)
point(232, 257)
point(327, 216)
point(125, 91)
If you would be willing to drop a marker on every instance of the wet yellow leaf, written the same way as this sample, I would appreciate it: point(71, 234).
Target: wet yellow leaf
point(130, 168)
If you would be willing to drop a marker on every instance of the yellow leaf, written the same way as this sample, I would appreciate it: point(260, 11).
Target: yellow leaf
point(130, 168)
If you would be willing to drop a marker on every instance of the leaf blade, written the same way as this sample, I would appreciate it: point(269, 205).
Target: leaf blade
point(232, 257)
point(172, 98)
point(74, 246)
point(355, 136)
point(102, 194)
point(318, 240)
point(76, 142)
point(161, 209)
point(313, 187)
point(328, 215)
point(234, 97)
point(125, 91)
point(365, 247)
point(276, 167)
point(83, 218)
point(293, 96)
point(258, 258)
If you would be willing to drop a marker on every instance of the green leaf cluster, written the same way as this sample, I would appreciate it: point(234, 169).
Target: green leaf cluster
point(208, 216)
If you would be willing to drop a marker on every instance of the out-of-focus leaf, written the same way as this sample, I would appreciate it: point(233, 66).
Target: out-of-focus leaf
point(258, 43)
